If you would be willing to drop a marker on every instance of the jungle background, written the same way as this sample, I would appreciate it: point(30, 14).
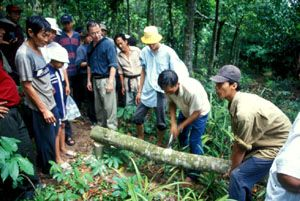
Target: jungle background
point(259, 36)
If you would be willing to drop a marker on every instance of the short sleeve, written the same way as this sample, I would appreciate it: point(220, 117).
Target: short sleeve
point(24, 67)
point(112, 55)
point(143, 59)
point(195, 103)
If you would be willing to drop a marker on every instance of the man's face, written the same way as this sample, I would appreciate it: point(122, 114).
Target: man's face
point(154, 47)
point(41, 39)
point(88, 39)
point(225, 90)
point(95, 33)
point(171, 90)
point(121, 44)
point(14, 16)
point(52, 35)
point(68, 26)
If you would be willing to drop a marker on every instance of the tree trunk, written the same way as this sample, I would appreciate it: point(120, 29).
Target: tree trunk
point(189, 34)
point(169, 156)
point(150, 13)
point(214, 39)
point(234, 39)
point(221, 24)
point(128, 16)
point(54, 7)
point(170, 35)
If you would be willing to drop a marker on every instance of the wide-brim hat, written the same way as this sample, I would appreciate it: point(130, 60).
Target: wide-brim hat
point(54, 25)
point(151, 35)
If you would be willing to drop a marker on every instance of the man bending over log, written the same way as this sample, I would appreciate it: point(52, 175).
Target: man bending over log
point(191, 98)
point(260, 129)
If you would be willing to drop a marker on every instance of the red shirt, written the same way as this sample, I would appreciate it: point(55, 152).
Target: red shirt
point(8, 89)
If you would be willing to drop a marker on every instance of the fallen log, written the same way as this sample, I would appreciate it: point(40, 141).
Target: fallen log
point(153, 152)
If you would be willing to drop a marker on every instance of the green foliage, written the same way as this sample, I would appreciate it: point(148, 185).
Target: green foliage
point(12, 165)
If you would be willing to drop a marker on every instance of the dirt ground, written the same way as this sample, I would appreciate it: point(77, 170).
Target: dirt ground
point(83, 143)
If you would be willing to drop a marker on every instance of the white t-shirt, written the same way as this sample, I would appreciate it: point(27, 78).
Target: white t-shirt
point(287, 162)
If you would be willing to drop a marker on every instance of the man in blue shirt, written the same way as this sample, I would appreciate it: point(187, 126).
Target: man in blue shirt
point(70, 40)
point(102, 65)
point(155, 58)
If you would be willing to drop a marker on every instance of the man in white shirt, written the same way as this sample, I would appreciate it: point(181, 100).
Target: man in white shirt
point(284, 176)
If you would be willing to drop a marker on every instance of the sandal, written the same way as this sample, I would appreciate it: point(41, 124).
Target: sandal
point(69, 141)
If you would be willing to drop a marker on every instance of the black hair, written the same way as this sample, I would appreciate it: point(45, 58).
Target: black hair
point(91, 23)
point(131, 41)
point(167, 78)
point(120, 35)
point(231, 82)
point(36, 24)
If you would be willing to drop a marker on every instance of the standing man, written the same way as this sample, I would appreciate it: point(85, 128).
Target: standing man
point(70, 40)
point(191, 98)
point(35, 80)
point(14, 36)
point(12, 125)
point(129, 68)
point(284, 177)
point(102, 65)
point(155, 58)
point(260, 129)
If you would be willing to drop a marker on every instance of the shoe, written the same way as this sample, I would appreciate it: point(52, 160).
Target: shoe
point(69, 141)
point(71, 153)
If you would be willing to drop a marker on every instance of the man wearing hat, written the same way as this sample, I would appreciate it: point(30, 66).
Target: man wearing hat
point(14, 37)
point(70, 40)
point(260, 129)
point(155, 58)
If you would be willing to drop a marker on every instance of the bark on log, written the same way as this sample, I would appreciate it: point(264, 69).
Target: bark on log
point(172, 157)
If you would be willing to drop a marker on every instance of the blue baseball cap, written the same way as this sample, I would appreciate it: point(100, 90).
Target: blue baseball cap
point(66, 19)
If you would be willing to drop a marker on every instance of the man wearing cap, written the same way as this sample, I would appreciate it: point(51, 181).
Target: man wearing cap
point(14, 37)
point(155, 58)
point(70, 40)
point(102, 65)
point(260, 129)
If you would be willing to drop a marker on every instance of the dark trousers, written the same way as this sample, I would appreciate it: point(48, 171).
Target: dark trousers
point(44, 135)
point(191, 137)
point(13, 126)
point(243, 178)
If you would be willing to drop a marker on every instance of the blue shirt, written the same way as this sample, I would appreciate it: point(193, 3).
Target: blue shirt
point(71, 44)
point(154, 63)
point(81, 56)
point(103, 57)
point(57, 84)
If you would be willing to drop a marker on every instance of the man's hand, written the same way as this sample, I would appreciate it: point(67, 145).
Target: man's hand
point(123, 90)
point(176, 130)
point(109, 86)
point(138, 98)
point(89, 86)
point(3, 110)
point(67, 90)
point(49, 117)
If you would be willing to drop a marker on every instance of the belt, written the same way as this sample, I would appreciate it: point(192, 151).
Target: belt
point(99, 76)
point(129, 78)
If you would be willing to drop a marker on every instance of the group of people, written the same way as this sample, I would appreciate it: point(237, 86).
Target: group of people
point(53, 63)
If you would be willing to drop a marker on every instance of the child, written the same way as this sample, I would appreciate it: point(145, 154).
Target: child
point(59, 56)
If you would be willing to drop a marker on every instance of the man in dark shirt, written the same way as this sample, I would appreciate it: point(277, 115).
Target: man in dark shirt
point(102, 65)
point(13, 36)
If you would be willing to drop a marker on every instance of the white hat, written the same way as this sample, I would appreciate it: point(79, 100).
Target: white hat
point(53, 24)
point(58, 53)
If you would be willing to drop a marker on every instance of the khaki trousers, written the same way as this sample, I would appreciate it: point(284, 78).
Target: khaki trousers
point(105, 104)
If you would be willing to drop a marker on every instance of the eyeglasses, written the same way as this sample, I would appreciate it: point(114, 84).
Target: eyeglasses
point(95, 33)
